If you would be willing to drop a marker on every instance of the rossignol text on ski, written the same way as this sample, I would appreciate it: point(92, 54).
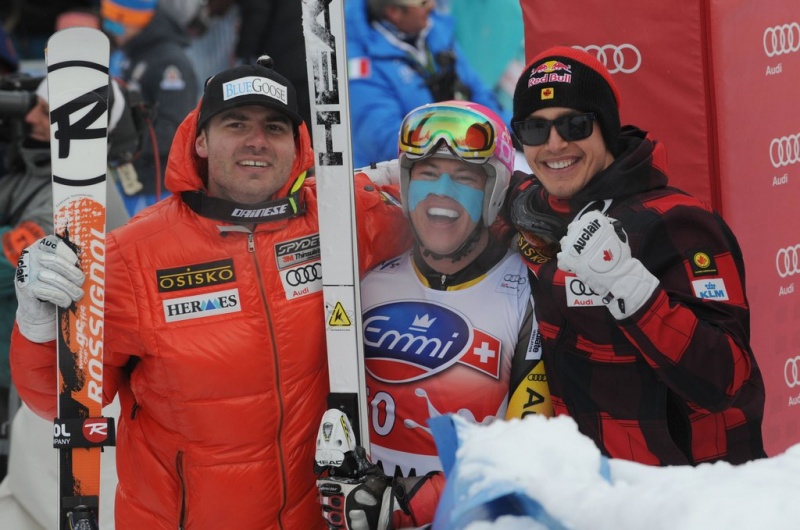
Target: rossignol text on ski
point(78, 94)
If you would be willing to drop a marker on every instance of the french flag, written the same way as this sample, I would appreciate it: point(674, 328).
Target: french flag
point(359, 68)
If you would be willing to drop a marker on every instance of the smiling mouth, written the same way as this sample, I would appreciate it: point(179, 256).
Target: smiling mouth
point(252, 163)
point(560, 164)
point(443, 213)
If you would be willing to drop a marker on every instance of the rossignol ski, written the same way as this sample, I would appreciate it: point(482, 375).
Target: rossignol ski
point(78, 84)
point(326, 59)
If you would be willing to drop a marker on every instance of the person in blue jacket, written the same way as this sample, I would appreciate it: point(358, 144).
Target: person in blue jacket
point(401, 55)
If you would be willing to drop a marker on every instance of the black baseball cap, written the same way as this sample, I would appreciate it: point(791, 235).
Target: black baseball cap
point(253, 84)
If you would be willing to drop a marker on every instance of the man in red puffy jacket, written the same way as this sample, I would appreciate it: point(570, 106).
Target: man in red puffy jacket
point(214, 330)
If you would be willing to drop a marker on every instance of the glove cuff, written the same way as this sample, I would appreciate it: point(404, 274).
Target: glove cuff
point(632, 291)
point(39, 332)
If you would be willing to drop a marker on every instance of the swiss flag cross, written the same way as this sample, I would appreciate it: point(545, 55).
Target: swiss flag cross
point(483, 354)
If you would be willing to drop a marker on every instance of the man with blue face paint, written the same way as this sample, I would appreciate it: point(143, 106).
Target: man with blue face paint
point(448, 325)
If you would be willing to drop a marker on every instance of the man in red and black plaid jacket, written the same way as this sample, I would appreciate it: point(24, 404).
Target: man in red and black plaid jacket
point(639, 288)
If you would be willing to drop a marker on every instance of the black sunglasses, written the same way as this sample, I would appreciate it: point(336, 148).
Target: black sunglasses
point(572, 127)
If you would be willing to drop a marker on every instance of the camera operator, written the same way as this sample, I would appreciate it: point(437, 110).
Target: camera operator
point(26, 199)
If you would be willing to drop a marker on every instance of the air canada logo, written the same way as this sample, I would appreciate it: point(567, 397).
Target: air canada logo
point(411, 340)
point(702, 263)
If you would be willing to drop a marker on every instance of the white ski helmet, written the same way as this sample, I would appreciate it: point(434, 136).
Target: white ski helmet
point(465, 131)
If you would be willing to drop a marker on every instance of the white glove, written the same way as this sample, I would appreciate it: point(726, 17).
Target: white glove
point(596, 249)
point(47, 274)
point(383, 173)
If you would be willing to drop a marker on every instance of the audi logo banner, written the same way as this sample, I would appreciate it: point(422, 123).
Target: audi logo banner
point(717, 83)
point(786, 261)
point(618, 58)
point(782, 39)
point(785, 150)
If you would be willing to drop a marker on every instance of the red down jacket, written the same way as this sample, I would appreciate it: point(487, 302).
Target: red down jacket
point(221, 402)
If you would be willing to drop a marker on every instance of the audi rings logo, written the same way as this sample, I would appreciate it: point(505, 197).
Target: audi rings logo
point(579, 288)
point(790, 372)
point(786, 261)
point(782, 39)
point(515, 278)
point(624, 58)
point(785, 150)
point(305, 274)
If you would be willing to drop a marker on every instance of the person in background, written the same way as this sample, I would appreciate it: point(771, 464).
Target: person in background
point(449, 324)
point(213, 29)
point(155, 65)
point(214, 330)
point(639, 288)
point(275, 27)
point(402, 54)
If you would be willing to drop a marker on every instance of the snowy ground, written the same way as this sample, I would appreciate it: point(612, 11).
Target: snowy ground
point(551, 462)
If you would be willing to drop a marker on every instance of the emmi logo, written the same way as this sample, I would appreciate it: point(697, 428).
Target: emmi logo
point(201, 306)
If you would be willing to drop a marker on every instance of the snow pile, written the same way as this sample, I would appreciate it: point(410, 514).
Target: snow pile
point(550, 462)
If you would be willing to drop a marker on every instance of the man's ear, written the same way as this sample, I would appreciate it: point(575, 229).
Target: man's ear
point(200, 145)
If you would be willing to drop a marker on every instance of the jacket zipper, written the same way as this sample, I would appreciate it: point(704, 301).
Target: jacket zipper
point(251, 247)
point(179, 467)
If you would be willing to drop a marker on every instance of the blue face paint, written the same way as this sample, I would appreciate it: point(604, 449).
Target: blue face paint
point(470, 198)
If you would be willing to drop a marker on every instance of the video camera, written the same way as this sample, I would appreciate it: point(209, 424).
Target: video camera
point(17, 98)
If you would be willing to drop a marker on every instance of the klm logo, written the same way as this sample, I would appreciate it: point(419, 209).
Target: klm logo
point(713, 289)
